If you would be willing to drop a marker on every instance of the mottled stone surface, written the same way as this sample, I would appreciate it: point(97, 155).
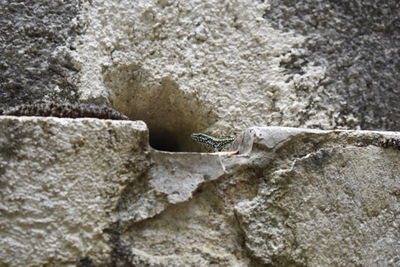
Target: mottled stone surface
point(60, 180)
point(94, 193)
point(327, 199)
point(357, 43)
point(89, 191)
point(215, 67)
point(190, 66)
point(219, 67)
point(35, 43)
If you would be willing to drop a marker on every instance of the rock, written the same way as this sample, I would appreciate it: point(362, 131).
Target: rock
point(329, 198)
point(173, 179)
point(35, 44)
point(60, 181)
point(221, 67)
point(92, 192)
point(214, 67)
point(355, 43)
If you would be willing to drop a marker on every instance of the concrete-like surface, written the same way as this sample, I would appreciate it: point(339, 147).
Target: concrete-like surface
point(89, 191)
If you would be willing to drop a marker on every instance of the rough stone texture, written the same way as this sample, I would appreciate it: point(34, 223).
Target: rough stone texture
point(92, 192)
point(35, 39)
point(328, 199)
point(211, 66)
point(219, 67)
point(60, 180)
point(357, 43)
point(208, 66)
point(172, 180)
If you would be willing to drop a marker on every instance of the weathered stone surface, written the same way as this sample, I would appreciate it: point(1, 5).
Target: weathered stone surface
point(173, 179)
point(92, 192)
point(357, 43)
point(60, 181)
point(35, 43)
point(218, 62)
point(216, 67)
point(89, 191)
point(221, 67)
point(327, 200)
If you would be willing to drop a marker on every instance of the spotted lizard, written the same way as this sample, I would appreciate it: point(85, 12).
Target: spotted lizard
point(66, 110)
point(212, 143)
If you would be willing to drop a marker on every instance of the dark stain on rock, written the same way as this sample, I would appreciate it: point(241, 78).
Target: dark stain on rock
point(358, 42)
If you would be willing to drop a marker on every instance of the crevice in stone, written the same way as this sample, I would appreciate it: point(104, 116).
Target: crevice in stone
point(163, 139)
point(171, 114)
point(121, 254)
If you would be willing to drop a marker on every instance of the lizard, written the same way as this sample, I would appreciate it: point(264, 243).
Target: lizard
point(67, 110)
point(212, 143)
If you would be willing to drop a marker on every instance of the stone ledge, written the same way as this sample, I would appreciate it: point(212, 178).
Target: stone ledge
point(60, 181)
point(90, 190)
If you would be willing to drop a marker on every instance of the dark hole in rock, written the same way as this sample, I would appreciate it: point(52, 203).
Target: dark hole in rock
point(171, 113)
point(162, 139)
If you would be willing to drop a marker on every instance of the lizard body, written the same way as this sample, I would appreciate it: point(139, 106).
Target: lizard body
point(210, 142)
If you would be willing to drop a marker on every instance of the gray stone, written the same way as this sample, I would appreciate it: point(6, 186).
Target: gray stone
point(222, 67)
point(329, 199)
point(212, 67)
point(357, 43)
point(93, 192)
point(35, 43)
point(60, 181)
point(90, 191)
point(173, 179)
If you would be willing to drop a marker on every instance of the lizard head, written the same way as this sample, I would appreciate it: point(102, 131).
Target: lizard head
point(199, 137)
